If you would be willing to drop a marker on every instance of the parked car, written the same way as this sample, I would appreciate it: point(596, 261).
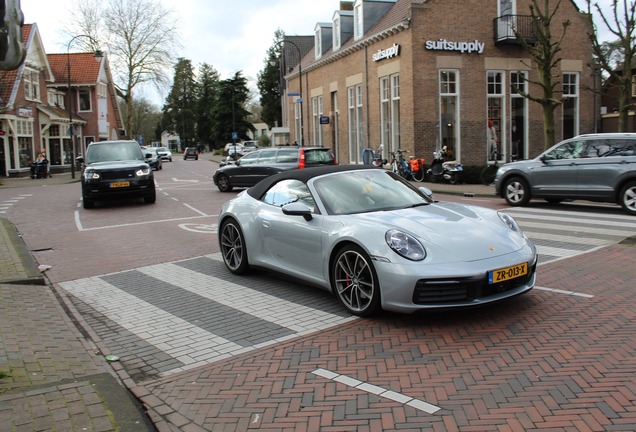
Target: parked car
point(233, 148)
point(249, 146)
point(116, 170)
point(255, 166)
point(165, 153)
point(376, 241)
point(594, 167)
point(190, 153)
point(152, 158)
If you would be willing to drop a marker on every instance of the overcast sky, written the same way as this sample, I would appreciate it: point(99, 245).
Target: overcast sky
point(230, 35)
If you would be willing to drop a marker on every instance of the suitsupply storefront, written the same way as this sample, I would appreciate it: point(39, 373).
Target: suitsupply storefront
point(422, 74)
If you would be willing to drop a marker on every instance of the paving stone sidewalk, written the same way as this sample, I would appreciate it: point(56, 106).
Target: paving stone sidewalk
point(51, 378)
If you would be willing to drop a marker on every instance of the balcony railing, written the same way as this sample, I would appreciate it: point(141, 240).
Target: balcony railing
point(508, 27)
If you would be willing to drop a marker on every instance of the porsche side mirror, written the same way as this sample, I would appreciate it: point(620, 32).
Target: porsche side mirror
point(298, 209)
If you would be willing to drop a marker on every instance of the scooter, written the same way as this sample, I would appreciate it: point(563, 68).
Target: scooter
point(378, 161)
point(441, 170)
point(40, 169)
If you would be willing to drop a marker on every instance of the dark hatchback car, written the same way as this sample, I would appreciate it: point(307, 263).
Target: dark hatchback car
point(255, 166)
point(116, 170)
point(190, 153)
point(152, 158)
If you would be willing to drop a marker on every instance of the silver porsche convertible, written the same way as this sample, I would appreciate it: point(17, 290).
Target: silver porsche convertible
point(376, 241)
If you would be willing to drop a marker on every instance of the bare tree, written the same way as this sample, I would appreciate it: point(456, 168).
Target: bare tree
point(141, 37)
point(545, 53)
point(621, 22)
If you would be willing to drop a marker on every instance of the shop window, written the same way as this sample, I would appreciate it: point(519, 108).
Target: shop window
point(518, 116)
point(355, 132)
point(297, 122)
point(316, 107)
point(84, 99)
point(25, 151)
point(449, 110)
point(334, 128)
point(390, 113)
point(570, 105)
point(495, 118)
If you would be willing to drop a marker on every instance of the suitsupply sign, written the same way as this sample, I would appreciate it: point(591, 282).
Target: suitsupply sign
point(463, 47)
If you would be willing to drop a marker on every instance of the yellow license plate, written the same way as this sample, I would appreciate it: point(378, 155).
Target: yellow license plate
point(507, 273)
point(119, 184)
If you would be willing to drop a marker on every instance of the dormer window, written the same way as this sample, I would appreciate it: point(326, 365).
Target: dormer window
point(336, 32)
point(358, 20)
point(318, 42)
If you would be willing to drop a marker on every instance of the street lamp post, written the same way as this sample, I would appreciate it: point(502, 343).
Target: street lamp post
point(300, 83)
point(71, 132)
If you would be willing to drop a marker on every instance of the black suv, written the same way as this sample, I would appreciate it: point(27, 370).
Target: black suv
point(114, 170)
point(190, 152)
point(255, 166)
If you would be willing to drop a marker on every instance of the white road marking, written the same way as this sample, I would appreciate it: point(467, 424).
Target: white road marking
point(379, 391)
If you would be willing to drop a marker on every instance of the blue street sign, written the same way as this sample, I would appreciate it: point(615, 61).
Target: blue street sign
point(234, 136)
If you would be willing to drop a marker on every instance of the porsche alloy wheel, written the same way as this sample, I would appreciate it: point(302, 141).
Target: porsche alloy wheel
point(354, 281)
point(233, 247)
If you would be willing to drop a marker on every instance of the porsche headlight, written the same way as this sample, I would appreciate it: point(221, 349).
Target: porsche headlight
point(91, 175)
point(143, 171)
point(405, 245)
point(511, 223)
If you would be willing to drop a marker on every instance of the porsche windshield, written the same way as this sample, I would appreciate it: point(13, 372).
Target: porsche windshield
point(367, 191)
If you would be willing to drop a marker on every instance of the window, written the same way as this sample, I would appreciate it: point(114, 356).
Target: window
point(289, 191)
point(297, 123)
point(335, 126)
point(570, 105)
point(518, 116)
point(449, 110)
point(102, 91)
point(336, 33)
point(390, 112)
point(84, 99)
point(568, 150)
point(358, 29)
point(318, 43)
point(495, 110)
point(354, 107)
point(31, 85)
point(316, 107)
point(249, 159)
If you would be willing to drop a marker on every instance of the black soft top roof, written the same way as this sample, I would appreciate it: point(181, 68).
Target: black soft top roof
point(304, 175)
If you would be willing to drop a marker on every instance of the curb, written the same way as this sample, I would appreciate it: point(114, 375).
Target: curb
point(30, 275)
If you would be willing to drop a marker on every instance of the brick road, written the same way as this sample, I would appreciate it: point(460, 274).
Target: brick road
point(543, 361)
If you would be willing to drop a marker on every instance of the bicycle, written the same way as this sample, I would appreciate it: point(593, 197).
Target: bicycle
point(489, 173)
point(413, 169)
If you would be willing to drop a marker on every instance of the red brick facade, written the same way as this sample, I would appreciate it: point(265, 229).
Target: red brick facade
point(34, 111)
point(416, 26)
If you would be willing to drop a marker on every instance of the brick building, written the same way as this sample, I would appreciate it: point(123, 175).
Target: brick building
point(422, 74)
point(35, 113)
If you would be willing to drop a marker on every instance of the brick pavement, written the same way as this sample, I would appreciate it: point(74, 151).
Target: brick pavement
point(540, 362)
point(51, 378)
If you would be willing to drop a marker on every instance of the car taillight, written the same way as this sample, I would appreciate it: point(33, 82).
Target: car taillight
point(301, 159)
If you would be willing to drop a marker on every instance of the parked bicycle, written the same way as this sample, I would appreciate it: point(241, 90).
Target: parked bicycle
point(489, 173)
point(414, 169)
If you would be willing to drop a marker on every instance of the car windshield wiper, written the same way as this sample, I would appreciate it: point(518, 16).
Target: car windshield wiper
point(417, 205)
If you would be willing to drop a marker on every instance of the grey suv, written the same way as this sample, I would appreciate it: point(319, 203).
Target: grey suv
point(595, 167)
point(255, 166)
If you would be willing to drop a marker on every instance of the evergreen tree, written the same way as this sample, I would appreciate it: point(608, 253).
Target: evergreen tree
point(179, 111)
point(269, 83)
point(207, 99)
point(229, 113)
